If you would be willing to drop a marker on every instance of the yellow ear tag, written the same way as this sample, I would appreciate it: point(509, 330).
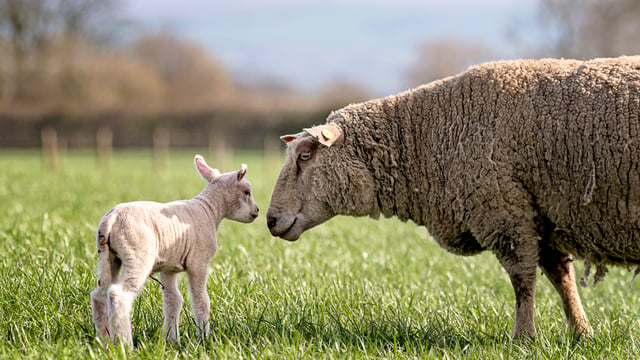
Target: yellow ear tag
point(326, 134)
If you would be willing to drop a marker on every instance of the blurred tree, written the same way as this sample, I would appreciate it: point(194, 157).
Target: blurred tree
point(115, 82)
point(4, 69)
point(591, 28)
point(445, 57)
point(41, 36)
point(194, 80)
point(340, 93)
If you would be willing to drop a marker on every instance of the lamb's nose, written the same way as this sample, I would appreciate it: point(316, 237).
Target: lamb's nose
point(271, 221)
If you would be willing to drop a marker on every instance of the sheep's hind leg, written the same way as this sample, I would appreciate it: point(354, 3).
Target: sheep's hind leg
point(558, 268)
point(172, 304)
point(200, 299)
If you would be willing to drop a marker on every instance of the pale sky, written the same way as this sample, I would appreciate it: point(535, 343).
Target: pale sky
point(311, 42)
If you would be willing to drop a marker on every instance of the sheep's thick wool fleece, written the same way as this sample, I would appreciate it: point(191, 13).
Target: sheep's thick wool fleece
point(552, 142)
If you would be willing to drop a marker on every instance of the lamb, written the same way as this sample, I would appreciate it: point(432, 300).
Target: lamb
point(536, 161)
point(141, 238)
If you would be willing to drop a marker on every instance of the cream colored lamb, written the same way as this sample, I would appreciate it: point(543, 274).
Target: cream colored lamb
point(137, 239)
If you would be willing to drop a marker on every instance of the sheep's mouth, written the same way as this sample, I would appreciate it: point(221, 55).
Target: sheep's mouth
point(283, 226)
point(286, 231)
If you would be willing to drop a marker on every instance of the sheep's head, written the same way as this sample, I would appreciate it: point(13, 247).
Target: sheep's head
point(320, 178)
point(232, 187)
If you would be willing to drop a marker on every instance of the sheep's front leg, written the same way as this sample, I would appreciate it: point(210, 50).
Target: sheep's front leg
point(172, 304)
point(200, 298)
point(519, 257)
point(558, 268)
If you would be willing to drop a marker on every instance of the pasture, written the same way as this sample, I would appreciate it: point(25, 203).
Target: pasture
point(351, 288)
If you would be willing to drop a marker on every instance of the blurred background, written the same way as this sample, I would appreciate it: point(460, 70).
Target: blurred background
point(140, 73)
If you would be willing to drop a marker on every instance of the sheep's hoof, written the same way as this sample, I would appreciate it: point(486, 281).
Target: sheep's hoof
point(581, 332)
point(524, 335)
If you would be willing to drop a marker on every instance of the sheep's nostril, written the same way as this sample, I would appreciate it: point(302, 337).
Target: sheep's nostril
point(271, 221)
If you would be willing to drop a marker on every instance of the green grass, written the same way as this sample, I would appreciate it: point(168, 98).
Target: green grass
point(350, 288)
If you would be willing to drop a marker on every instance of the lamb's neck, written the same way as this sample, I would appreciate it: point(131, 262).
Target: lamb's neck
point(211, 205)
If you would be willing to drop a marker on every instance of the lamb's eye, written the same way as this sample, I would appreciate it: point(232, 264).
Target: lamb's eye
point(247, 192)
point(305, 156)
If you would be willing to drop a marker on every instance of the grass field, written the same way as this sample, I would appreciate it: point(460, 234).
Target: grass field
point(350, 288)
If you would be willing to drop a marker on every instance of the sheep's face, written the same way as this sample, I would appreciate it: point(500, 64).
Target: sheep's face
point(233, 187)
point(319, 179)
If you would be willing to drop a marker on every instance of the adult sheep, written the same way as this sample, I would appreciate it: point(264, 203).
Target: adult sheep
point(536, 161)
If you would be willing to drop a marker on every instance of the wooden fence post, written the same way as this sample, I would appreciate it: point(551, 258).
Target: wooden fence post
point(161, 147)
point(104, 141)
point(272, 150)
point(50, 147)
point(218, 150)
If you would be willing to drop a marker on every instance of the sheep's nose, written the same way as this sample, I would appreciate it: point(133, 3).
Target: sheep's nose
point(271, 221)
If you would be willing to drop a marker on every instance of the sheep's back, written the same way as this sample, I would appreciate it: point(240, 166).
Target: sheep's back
point(572, 129)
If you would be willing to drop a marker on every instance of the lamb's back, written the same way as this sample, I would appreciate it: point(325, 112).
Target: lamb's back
point(168, 231)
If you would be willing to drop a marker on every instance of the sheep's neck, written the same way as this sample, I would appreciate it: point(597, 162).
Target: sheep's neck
point(396, 150)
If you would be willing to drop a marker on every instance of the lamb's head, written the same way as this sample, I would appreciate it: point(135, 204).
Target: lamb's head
point(232, 188)
point(321, 177)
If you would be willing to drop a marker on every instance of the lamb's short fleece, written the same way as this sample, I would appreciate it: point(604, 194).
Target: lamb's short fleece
point(137, 239)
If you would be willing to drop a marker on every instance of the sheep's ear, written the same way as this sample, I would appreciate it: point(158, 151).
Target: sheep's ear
point(204, 170)
point(327, 134)
point(288, 138)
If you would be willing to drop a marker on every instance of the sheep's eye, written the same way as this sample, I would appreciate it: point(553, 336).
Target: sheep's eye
point(247, 192)
point(305, 156)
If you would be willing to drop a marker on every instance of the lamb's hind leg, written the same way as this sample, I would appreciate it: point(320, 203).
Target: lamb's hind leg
point(121, 296)
point(558, 268)
point(108, 269)
point(200, 299)
point(172, 304)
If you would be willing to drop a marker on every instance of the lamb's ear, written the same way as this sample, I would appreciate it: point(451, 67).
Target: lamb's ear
point(327, 134)
point(242, 172)
point(233, 177)
point(204, 170)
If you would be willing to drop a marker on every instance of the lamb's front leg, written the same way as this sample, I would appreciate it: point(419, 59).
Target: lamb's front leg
point(172, 304)
point(200, 298)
